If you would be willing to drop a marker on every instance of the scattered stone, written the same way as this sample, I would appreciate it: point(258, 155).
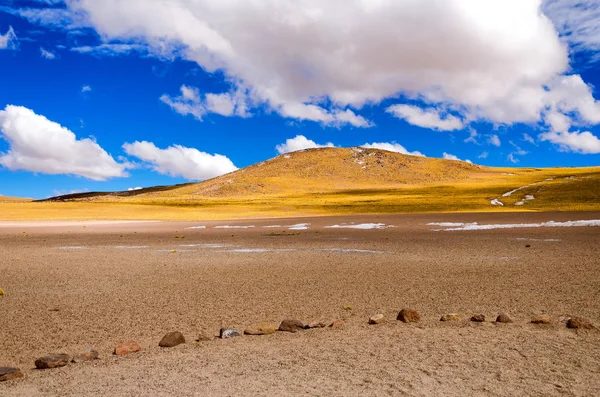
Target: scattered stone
point(541, 319)
point(377, 319)
point(315, 324)
point(478, 318)
point(450, 317)
point(290, 325)
point(52, 361)
point(203, 337)
point(528, 246)
point(409, 316)
point(87, 354)
point(226, 333)
point(127, 348)
point(8, 373)
point(261, 329)
point(337, 324)
point(172, 339)
point(503, 318)
point(1, 293)
point(579, 322)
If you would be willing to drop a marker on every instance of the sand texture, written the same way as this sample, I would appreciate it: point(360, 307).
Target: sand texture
point(72, 285)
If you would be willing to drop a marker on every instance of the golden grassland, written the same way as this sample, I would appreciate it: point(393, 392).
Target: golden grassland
point(334, 182)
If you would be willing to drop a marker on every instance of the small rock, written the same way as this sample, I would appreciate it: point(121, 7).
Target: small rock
point(172, 339)
point(87, 354)
point(503, 318)
point(127, 348)
point(579, 322)
point(261, 329)
point(409, 316)
point(315, 324)
point(52, 361)
point(8, 373)
point(450, 317)
point(291, 326)
point(337, 324)
point(226, 333)
point(203, 336)
point(478, 318)
point(377, 319)
point(541, 319)
point(1, 293)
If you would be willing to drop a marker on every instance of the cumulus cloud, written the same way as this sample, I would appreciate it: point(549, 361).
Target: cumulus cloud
point(494, 140)
point(581, 142)
point(86, 88)
point(578, 21)
point(40, 145)
point(426, 118)
point(449, 156)
point(191, 102)
point(180, 161)
point(392, 147)
point(315, 60)
point(8, 41)
point(47, 54)
point(300, 142)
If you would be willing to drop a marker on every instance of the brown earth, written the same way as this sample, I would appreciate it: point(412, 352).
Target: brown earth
point(61, 299)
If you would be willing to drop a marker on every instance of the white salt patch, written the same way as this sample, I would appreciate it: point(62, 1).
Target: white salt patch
point(75, 247)
point(595, 222)
point(496, 202)
point(364, 226)
point(553, 240)
point(256, 250)
point(275, 226)
point(233, 227)
point(527, 198)
point(173, 250)
point(445, 224)
point(196, 227)
point(300, 226)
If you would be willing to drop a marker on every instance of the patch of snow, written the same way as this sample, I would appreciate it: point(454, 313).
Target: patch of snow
point(446, 224)
point(348, 250)
point(507, 174)
point(497, 202)
point(75, 247)
point(126, 247)
point(196, 227)
point(206, 245)
point(256, 250)
point(584, 223)
point(300, 226)
point(527, 198)
point(553, 240)
point(233, 227)
point(286, 156)
point(363, 226)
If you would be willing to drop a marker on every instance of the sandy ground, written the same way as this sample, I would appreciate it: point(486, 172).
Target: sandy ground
point(78, 284)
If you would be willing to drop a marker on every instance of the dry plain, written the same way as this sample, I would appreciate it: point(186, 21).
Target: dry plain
point(73, 284)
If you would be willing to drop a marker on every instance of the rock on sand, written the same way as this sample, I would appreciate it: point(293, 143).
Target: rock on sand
point(377, 319)
point(409, 316)
point(52, 361)
point(337, 324)
point(541, 319)
point(503, 318)
point(450, 317)
point(8, 373)
point(290, 325)
point(87, 354)
point(478, 318)
point(127, 348)
point(172, 339)
point(261, 329)
point(226, 333)
point(579, 323)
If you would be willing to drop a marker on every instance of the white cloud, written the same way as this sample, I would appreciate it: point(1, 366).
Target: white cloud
point(47, 54)
point(134, 188)
point(528, 138)
point(494, 140)
point(426, 118)
point(484, 60)
point(580, 142)
point(40, 145)
point(449, 156)
point(86, 88)
point(191, 102)
point(110, 49)
point(392, 147)
point(300, 142)
point(177, 160)
point(8, 41)
point(511, 157)
point(483, 155)
point(578, 21)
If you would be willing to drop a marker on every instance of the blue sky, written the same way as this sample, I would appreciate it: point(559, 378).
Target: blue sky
point(104, 95)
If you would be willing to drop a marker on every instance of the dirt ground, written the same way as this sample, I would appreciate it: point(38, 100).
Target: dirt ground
point(70, 285)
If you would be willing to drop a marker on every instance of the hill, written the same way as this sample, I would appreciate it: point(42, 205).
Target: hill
point(9, 199)
point(341, 181)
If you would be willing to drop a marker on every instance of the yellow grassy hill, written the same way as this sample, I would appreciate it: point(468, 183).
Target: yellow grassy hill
point(340, 181)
